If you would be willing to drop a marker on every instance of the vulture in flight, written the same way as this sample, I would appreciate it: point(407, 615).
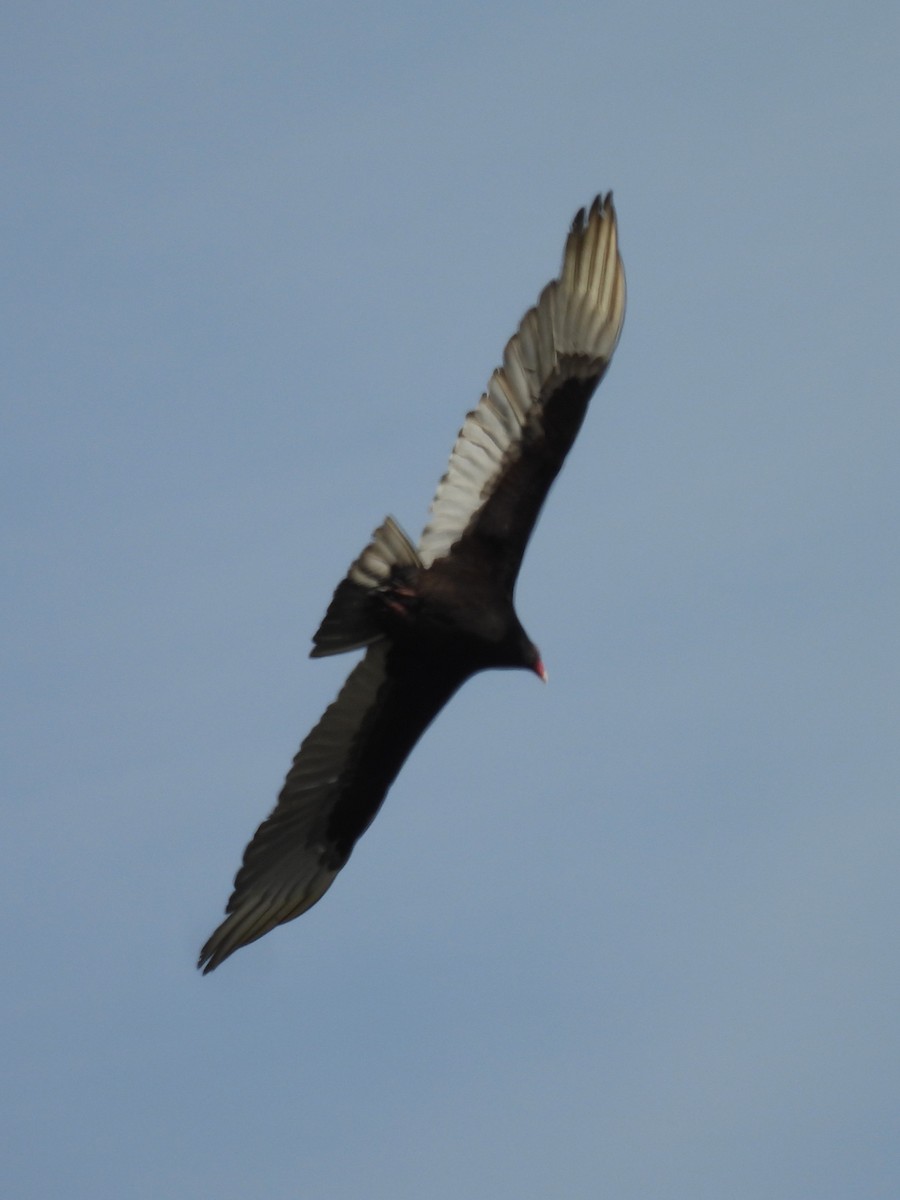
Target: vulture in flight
point(430, 616)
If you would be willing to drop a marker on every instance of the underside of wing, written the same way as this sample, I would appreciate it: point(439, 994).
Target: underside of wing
point(513, 444)
point(333, 791)
point(297, 852)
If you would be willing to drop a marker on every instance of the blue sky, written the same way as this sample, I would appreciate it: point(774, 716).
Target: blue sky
point(630, 935)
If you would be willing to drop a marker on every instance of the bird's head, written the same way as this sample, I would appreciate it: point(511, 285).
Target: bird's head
point(527, 654)
point(536, 663)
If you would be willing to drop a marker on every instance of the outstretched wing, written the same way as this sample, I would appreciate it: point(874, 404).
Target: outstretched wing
point(513, 444)
point(332, 793)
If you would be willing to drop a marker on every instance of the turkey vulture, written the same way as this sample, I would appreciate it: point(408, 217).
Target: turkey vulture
point(431, 616)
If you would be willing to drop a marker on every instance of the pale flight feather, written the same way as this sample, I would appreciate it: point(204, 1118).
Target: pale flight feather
point(571, 331)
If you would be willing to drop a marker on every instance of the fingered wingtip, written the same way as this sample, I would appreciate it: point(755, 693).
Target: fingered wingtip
point(210, 957)
point(602, 203)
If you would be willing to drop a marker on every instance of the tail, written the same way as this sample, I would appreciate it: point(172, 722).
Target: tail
point(352, 621)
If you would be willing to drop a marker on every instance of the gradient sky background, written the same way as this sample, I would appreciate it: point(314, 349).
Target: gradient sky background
point(633, 935)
